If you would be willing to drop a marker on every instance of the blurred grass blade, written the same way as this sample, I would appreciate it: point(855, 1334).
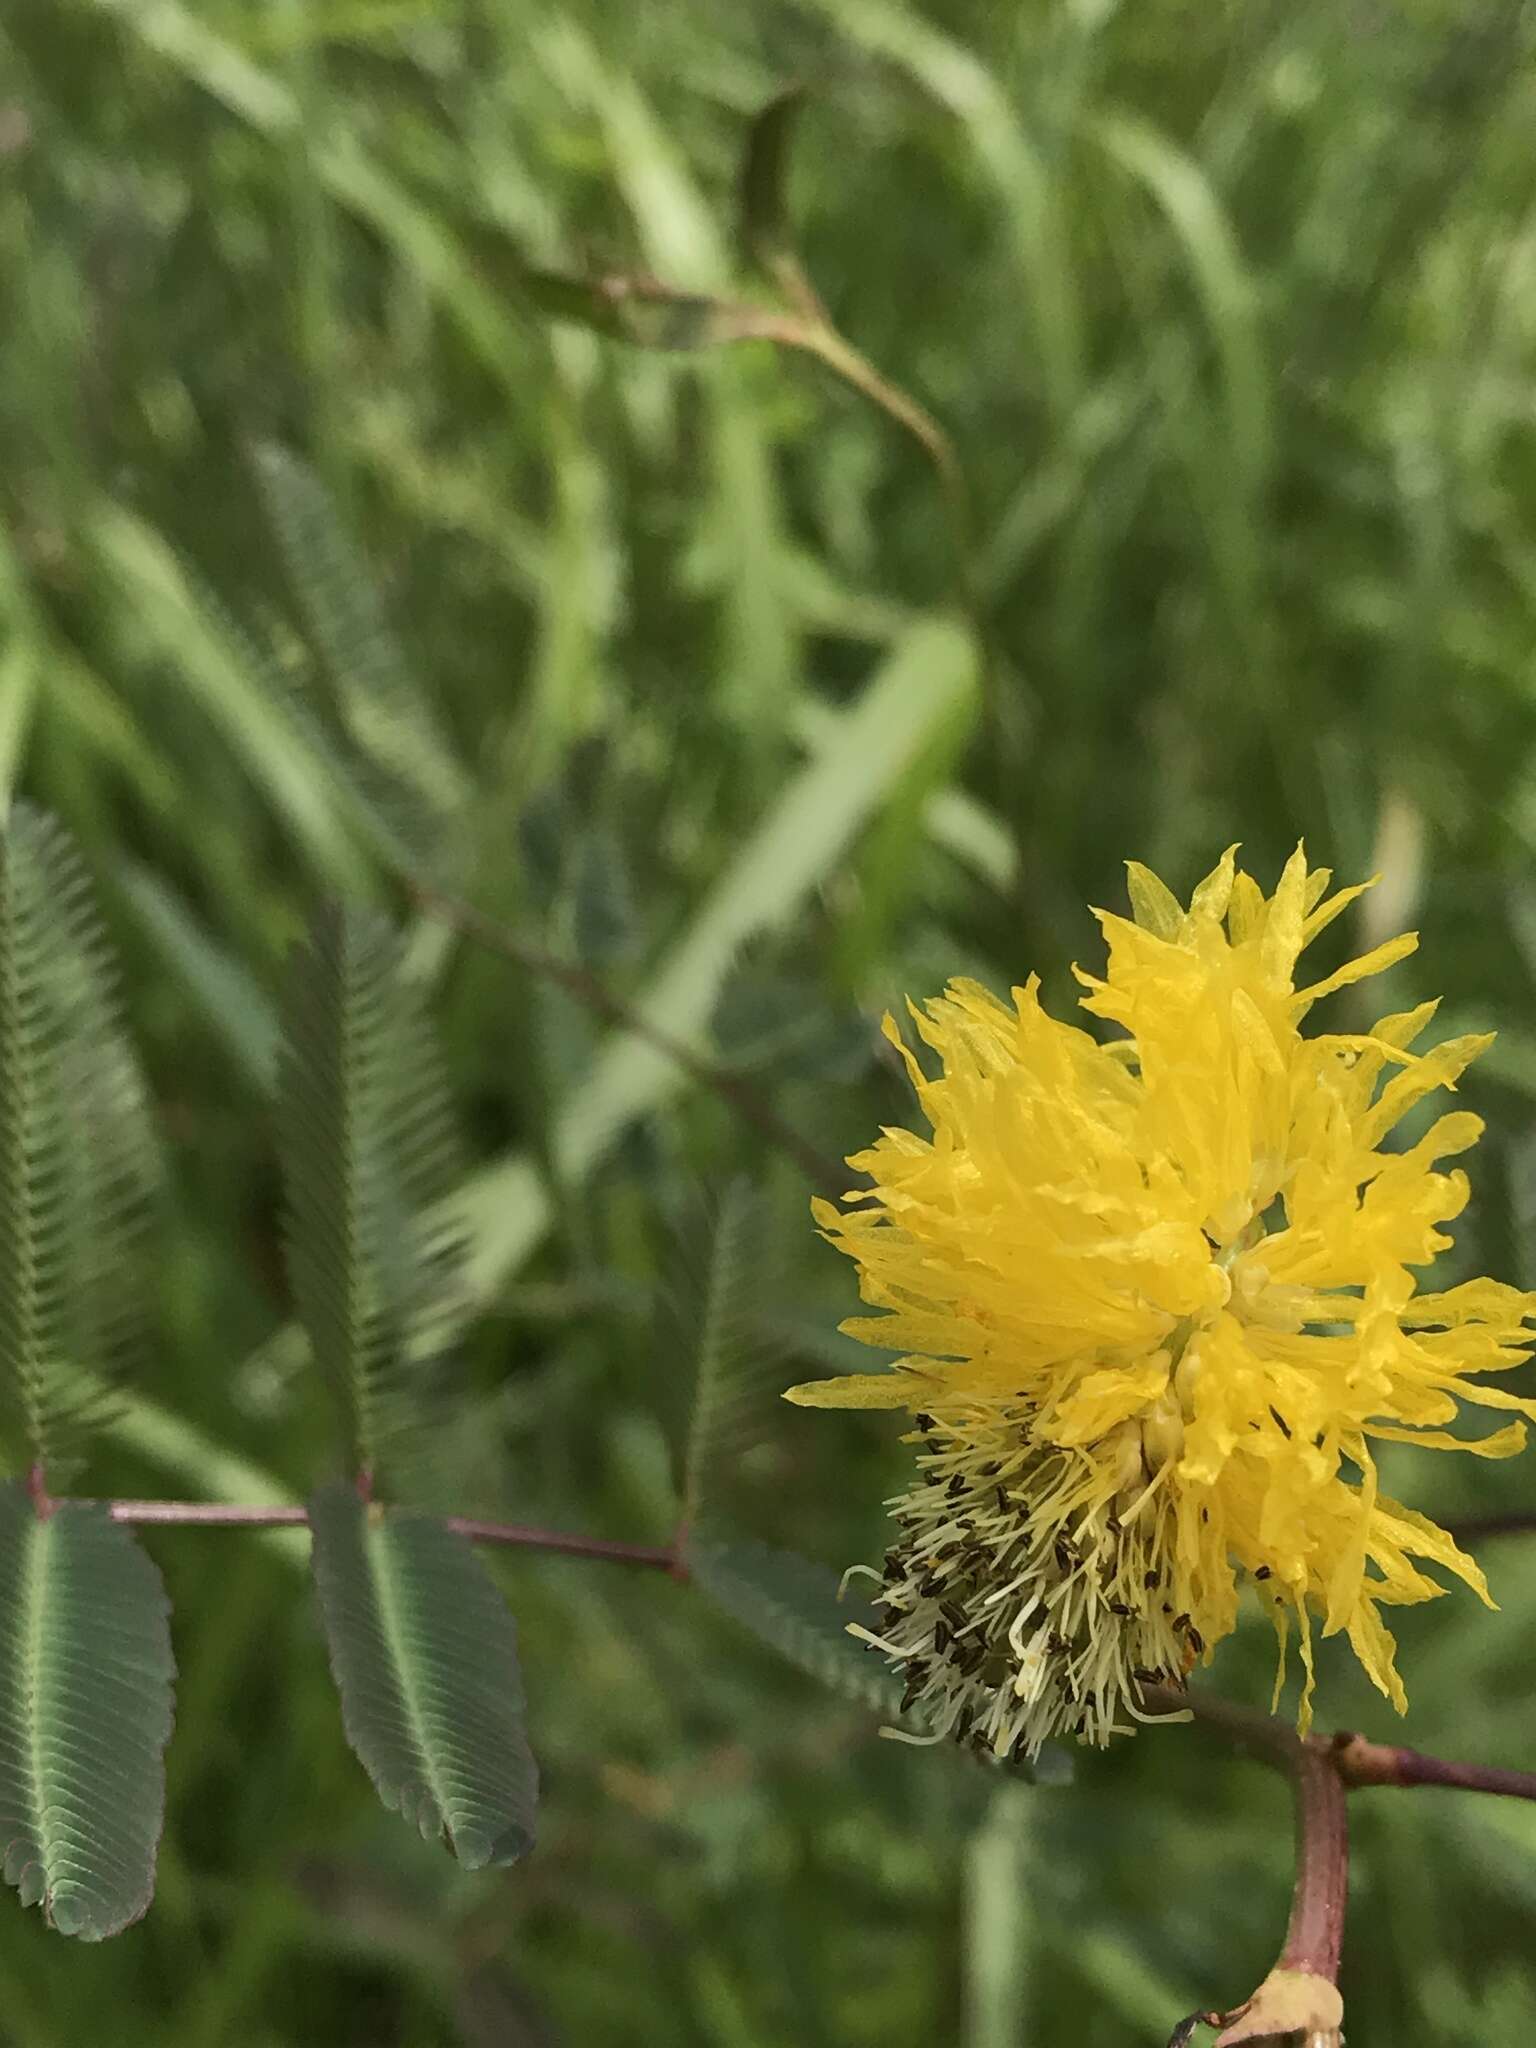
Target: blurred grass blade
point(1183, 194)
point(424, 1654)
point(999, 1922)
point(368, 1151)
point(218, 673)
point(20, 673)
point(861, 757)
point(417, 235)
point(21, 662)
point(77, 1158)
point(959, 81)
point(85, 1714)
point(792, 1605)
point(925, 682)
point(222, 988)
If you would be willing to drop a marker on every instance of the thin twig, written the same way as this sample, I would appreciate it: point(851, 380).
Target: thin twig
point(524, 1536)
point(1360, 1762)
point(825, 1173)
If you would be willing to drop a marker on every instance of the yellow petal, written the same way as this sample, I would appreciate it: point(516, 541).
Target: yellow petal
point(1504, 1443)
point(862, 1390)
point(1375, 962)
point(1212, 896)
point(1373, 1643)
point(1320, 917)
point(1156, 908)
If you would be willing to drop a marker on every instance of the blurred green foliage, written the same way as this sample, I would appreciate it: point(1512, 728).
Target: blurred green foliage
point(1230, 314)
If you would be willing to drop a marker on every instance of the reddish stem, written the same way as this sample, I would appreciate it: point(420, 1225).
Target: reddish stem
point(1359, 1762)
point(1314, 1939)
point(219, 1515)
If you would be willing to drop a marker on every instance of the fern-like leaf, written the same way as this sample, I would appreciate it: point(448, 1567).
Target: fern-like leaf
point(85, 1714)
point(380, 706)
point(368, 1152)
point(793, 1605)
point(715, 1331)
point(424, 1654)
point(77, 1159)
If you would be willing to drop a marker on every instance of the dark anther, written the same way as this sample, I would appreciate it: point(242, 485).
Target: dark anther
point(1263, 1572)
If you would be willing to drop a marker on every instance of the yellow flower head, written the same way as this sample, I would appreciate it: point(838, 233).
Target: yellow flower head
point(1158, 1303)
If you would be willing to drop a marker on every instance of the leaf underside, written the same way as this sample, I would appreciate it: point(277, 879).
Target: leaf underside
point(77, 1157)
point(368, 1154)
point(792, 1604)
point(85, 1714)
point(424, 1654)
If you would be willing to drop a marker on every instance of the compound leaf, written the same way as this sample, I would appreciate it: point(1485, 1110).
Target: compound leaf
point(715, 1304)
point(793, 1605)
point(85, 1714)
point(381, 706)
point(368, 1150)
point(425, 1657)
point(77, 1158)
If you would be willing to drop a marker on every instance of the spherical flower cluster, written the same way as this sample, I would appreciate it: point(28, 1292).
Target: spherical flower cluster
point(1157, 1296)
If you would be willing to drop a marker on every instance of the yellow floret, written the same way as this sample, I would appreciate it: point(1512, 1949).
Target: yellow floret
point(1157, 1301)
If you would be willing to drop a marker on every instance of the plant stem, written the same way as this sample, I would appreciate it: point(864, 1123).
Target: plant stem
point(1314, 1935)
point(220, 1515)
point(1323, 1770)
point(1314, 1939)
point(1357, 1761)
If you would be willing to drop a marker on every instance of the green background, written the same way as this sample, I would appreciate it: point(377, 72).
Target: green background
point(1231, 313)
